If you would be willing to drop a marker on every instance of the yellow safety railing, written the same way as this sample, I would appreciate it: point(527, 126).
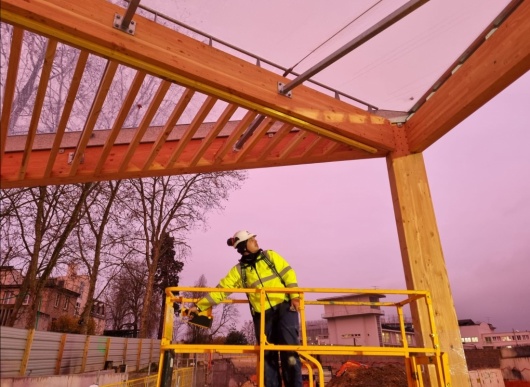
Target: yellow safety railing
point(415, 357)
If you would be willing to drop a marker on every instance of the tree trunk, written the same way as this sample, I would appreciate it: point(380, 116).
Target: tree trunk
point(149, 290)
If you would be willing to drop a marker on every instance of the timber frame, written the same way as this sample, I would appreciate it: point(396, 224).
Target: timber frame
point(310, 127)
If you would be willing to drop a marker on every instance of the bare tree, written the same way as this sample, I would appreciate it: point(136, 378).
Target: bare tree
point(93, 239)
point(174, 205)
point(124, 296)
point(10, 247)
point(45, 218)
point(248, 331)
point(224, 318)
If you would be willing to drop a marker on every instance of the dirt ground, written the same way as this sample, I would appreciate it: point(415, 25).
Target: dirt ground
point(385, 376)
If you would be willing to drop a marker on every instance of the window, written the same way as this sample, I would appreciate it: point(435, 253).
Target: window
point(57, 300)
point(26, 299)
point(76, 310)
point(9, 298)
point(65, 303)
point(81, 288)
point(487, 339)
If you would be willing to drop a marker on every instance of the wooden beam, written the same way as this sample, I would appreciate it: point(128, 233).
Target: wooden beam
point(60, 353)
point(423, 260)
point(93, 114)
point(260, 131)
point(501, 59)
point(169, 126)
point(67, 110)
point(120, 118)
point(9, 88)
point(144, 124)
point(39, 101)
point(275, 140)
point(213, 133)
point(199, 118)
point(176, 57)
point(27, 352)
point(263, 156)
point(234, 136)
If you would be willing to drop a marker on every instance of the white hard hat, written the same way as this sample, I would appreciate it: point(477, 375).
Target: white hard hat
point(239, 237)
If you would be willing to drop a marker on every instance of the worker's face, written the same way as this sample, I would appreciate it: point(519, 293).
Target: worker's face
point(252, 245)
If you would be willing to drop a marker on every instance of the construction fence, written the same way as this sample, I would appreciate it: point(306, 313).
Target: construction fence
point(184, 377)
point(41, 353)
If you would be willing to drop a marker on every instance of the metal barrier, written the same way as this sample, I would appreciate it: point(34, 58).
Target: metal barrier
point(415, 357)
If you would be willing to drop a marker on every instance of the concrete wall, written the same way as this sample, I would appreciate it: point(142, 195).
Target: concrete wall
point(486, 377)
point(515, 363)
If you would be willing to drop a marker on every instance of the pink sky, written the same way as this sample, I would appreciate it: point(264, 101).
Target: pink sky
point(334, 222)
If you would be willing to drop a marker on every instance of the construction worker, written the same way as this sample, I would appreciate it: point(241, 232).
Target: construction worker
point(265, 269)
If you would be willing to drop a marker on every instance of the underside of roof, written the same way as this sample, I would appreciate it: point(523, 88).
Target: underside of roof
point(84, 99)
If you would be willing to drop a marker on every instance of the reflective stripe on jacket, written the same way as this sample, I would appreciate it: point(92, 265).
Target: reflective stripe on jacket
point(262, 271)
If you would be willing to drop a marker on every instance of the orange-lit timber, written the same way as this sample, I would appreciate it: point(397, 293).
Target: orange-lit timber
point(497, 63)
point(176, 57)
point(266, 152)
point(414, 357)
point(310, 127)
point(423, 260)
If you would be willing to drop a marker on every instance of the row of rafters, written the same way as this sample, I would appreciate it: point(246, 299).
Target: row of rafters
point(310, 127)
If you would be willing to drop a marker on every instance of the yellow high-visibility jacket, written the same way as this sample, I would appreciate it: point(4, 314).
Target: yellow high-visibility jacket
point(268, 277)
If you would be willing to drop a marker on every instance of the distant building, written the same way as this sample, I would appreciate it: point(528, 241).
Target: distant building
point(358, 325)
point(60, 296)
point(479, 335)
point(365, 325)
point(317, 332)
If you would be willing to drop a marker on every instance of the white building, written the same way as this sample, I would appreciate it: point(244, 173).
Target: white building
point(478, 335)
point(358, 325)
point(364, 325)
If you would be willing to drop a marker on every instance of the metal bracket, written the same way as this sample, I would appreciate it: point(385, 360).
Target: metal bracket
point(280, 90)
point(118, 21)
point(71, 158)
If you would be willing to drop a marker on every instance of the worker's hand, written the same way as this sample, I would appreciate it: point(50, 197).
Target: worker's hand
point(295, 305)
point(193, 309)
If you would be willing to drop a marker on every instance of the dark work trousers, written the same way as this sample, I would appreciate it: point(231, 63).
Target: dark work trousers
point(281, 327)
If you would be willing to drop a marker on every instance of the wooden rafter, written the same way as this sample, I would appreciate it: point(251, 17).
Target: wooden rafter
point(213, 133)
point(39, 100)
point(190, 131)
point(260, 132)
point(67, 109)
point(120, 119)
point(9, 90)
point(93, 114)
point(144, 124)
point(498, 62)
point(309, 127)
point(176, 57)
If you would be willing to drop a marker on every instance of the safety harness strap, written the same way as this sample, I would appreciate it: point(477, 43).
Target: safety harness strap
point(271, 265)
